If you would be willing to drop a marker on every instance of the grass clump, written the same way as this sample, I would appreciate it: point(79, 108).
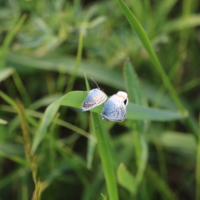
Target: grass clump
point(49, 148)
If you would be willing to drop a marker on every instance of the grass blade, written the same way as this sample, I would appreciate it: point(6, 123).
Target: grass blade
point(98, 71)
point(160, 184)
point(198, 166)
point(146, 42)
point(133, 86)
point(21, 88)
point(75, 99)
point(48, 117)
point(104, 151)
point(91, 144)
point(180, 23)
point(9, 100)
point(136, 95)
point(134, 111)
point(8, 40)
point(5, 73)
point(198, 173)
point(105, 155)
point(12, 149)
point(163, 9)
point(77, 64)
point(3, 121)
point(126, 179)
point(140, 112)
point(178, 141)
point(104, 197)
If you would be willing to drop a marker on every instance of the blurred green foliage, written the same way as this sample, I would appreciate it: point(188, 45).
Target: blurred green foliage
point(48, 146)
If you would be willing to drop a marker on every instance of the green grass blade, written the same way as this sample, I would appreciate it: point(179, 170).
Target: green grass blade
point(182, 23)
point(105, 155)
point(8, 100)
point(13, 176)
point(13, 152)
point(164, 7)
point(104, 197)
point(2, 121)
point(99, 72)
point(106, 159)
point(20, 86)
point(140, 112)
point(134, 111)
point(77, 64)
point(91, 144)
point(45, 101)
point(160, 184)
point(133, 86)
point(8, 40)
point(11, 149)
point(136, 95)
point(178, 141)
point(49, 115)
point(5, 73)
point(198, 166)
point(146, 42)
point(75, 99)
point(126, 179)
point(189, 85)
point(198, 172)
point(17, 159)
point(55, 173)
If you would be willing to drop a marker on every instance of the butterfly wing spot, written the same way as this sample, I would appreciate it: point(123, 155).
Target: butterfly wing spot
point(88, 105)
point(120, 96)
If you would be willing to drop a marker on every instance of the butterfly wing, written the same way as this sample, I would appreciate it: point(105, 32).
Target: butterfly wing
point(94, 98)
point(114, 110)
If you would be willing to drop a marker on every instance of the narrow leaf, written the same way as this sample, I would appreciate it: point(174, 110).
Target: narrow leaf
point(9, 149)
point(3, 121)
point(91, 144)
point(146, 42)
point(126, 179)
point(160, 184)
point(5, 73)
point(9, 37)
point(105, 154)
point(48, 117)
point(75, 99)
point(182, 23)
point(137, 95)
point(133, 86)
point(198, 167)
point(104, 197)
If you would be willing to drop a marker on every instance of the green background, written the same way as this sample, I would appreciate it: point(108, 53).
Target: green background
point(50, 149)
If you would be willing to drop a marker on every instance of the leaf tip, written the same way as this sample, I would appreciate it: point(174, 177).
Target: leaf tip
point(185, 113)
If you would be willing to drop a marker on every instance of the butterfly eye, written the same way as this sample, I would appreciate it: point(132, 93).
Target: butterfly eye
point(126, 101)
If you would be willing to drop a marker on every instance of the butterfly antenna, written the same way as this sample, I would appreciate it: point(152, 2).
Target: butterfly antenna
point(95, 82)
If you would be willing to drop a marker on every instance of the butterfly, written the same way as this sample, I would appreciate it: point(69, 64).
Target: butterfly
point(115, 107)
point(94, 98)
